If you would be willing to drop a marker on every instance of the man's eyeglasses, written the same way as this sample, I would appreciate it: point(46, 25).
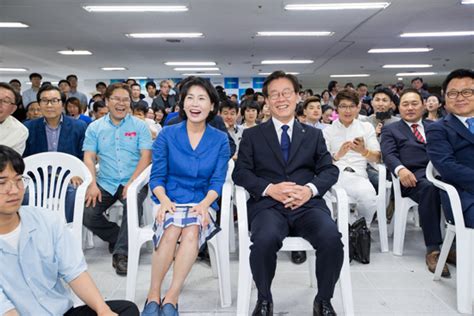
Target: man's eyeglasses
point(7, 185)
point(346, 107)
point(122, 100)
point(6, 102)
point(453, 94)
point(54, 101)
point(285, 93)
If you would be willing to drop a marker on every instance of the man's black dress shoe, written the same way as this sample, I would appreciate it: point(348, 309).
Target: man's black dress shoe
point(120, 262)
point(263, 308)
point(323, 308)
point(298, 257)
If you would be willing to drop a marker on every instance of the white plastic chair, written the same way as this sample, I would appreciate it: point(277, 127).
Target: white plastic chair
point(51, 172)
point(137, 236)
point(402, 206)
point(338, 196)
point(464, 245)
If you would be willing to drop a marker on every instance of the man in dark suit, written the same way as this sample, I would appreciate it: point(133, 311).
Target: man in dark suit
point(286, 168)
point(56, 132)
point(404, 153)
point(451, 142)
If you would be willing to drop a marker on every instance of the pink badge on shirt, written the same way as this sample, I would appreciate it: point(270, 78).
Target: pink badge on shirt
point(130, 134)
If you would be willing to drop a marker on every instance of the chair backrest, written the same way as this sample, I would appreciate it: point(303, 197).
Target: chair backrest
point(50, 174)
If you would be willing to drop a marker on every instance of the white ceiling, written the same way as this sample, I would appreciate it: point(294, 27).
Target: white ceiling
point(229, 28)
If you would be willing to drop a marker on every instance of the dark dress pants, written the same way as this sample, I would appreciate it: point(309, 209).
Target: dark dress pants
point(123, 308)
point(268, 229)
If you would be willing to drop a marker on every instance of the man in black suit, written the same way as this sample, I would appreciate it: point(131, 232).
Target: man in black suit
point(404, 153)
point(286, 168)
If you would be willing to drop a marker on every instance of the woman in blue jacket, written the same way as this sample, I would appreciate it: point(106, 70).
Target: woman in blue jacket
point(187, 175)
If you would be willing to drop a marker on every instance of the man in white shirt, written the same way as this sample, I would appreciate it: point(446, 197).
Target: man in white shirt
point(151, 91)
point(12, 132)
point(353, 144)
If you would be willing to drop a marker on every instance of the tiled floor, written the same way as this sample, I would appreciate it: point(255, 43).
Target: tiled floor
point(389, 285)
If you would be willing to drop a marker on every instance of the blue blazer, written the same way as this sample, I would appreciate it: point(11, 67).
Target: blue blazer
point(451, 150)
point(400, 147)
point(186, 174)
point(71, 137)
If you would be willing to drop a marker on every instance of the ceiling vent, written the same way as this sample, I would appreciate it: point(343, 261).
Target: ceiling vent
point(173, 40)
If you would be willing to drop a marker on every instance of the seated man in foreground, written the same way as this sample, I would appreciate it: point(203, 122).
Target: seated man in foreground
point(38, 251)
point(287, 169)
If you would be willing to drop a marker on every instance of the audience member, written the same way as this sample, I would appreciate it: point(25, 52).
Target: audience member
point(12, 133)
point(353, 144)
point(74, 110)
point(450, 143)
point(151, 92)
point(365, 100)
point(65, 88)
point(286, 185)
point(30, 94)
point(333, 88)
point(234, 98)
point(313, 112)
point(140, 111)
point(326, 98)
point(39, 253)
point(404, 153)
point(433, 108)
point(160, 115)
point(164, 99)
point(266, 114)
point(327, 114)
point(74, 92)
point(228, 111)
point(101, 87)
point(121, 144)
point(417, 83)
point(136, 99)
point(33, 111)
point(249, 110)
point(100, 109)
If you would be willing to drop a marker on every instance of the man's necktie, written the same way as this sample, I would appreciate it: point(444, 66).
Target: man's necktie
point(470, 123)
point(417, 133)
point(285, 142)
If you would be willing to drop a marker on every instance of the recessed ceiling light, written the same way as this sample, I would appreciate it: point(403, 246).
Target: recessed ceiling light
point(408, 66)
point(135, 8)
point(196, 68)
point(203, 74)
point(408, 74)
point(190, 63)
point(400, 79)
point(113, 68)
point(399, 50)
point(315, 33)
point(74, 52)
point(337, 6)
point(13, 69)
point(467, 2)
point(350, 76)
point(438, 34)
point(13, 25)
point(165, 35)
point(287, 72)
point(290, 61)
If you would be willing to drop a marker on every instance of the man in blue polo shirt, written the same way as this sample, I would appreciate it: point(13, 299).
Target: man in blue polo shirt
point(121, 144)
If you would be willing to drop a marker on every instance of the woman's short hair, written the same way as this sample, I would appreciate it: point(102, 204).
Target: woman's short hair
point(189, 82)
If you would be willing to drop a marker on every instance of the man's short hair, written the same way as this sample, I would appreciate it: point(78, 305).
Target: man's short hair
point(35, 75)
point(118, 85)
point(64, 81)
point(71, 76)
point(7, 86)
point(98, 105)
point(48, 87)
point(135, 85)
point(309, 91)
point(411, 90)
point(140, 107)
point(309, 100)
point(10, 157)
point(228, 104)
point(331, 85)
point(278, 75)
point(206, 85)
point(346, 94)
point(417, 78)
point(457, 74)
point(15, 80)
point(150, 83)
point(388, 92)
point(249, 91)
point(100, 83)
point(349, 85)
point(361, 84)
point(163, 82)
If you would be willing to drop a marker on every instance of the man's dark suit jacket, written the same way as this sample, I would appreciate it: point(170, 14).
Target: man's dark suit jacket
point(451, 150)
point(159, 103)
point(260, 162)
point(400, 147)
point(71, 137)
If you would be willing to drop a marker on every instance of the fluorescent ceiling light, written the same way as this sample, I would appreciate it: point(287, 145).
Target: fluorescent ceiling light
point(165, 35)
point(13, 69)
point(287, 72)
point(400, 79)
point(203, 74)
point(113, 68)
point(74, 52)
point(467, 2)
point(315, 33)
point(190, 63)
point(290, 61)
point(438, 34)
point(13, 25)
point(408, 74)
point(350, 76)
point(196, 68)
point(337, 6)
point(135, 8)
point(137, 77)
point(399, 50)
point(408, 66)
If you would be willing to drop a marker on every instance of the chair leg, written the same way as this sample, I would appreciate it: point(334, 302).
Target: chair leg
point(212, 246)
point(245, 281)
point(400, 218)
point(88, 238)
point(132, 271)
point(232, 245)
point(222, 262)
point(345, 283)
point(312, 268)
point(464, 274)
point(382, 220)
point(416, 216)
point(448, 241)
